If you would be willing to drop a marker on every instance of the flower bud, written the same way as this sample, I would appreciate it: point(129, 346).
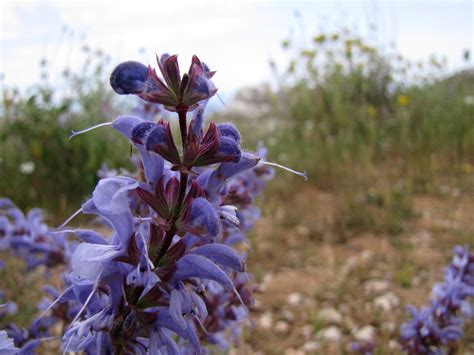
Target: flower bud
point(129, 78)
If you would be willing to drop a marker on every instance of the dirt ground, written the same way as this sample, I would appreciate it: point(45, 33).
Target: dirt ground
point(317, 294)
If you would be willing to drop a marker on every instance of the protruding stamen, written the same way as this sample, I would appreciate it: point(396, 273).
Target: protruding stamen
point(196, 318)
point(69, 219)
point(220, 99)
point(51, 305)
point(303, 174)
point(74, 133)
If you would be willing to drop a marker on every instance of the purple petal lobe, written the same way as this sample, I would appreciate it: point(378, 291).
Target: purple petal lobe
point(192, 265)
point(203, 215)
point(229, 130)
point(221, 255)
point(125, 125)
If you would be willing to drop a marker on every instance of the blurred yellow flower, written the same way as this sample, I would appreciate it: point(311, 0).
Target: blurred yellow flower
point(371, 111)
point(403, 100)
point(468, 168)
point(320, 38)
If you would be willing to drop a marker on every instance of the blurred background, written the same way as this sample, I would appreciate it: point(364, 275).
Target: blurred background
point(374, 99)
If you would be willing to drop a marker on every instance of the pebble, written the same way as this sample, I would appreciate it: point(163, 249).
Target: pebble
point(294, 298)
point(394, 345)
point(302, 230)
point(282, 327)
point(292, 351)
point(365, 334)
point(330, 316)
point(330, 334)
point(389, 326)
point(376, 286)
point(311, 346)
point(266, 320)
point(387, 301)
point(287, 315)
point(306, 330)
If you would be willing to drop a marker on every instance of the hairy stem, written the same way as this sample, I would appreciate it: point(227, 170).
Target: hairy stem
point(182, 193)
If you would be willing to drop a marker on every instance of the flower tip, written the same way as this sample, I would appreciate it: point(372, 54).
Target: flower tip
point(129, 78)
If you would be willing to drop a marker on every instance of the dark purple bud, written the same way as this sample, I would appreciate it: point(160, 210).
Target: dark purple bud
point(141, 130)
point(172, 191)
point(129, 78)
point(160, 140)
point(229, 130)
point(157, 202)
point(204, 216)
point(170, 69)
point(221, 255)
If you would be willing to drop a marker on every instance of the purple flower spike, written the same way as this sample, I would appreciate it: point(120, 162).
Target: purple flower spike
point(434, 328)
point(167, 279)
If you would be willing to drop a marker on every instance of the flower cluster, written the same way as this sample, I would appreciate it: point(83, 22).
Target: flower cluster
point(434, 328)
point(172, 274)
point(28, 237)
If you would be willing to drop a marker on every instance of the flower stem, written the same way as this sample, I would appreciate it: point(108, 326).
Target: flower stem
point(183, 181)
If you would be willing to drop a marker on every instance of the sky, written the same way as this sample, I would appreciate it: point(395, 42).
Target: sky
point(237, 38)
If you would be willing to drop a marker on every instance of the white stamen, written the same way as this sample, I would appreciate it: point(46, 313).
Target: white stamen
point(86, 303)
point(74, 133)
point(303, 174)
point(69, 219)
point(149, 262)
point(51, 305)
point(220, 99)
point(201, 325)
point(245, 307)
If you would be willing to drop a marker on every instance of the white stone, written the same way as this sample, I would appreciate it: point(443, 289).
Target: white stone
point(389, 326)
point(306, 330)
point(394, 345)
point(281, 327)
point(330, 334)
point(387, 301)
point(292, 351)
point(365, 334)
point(376, 286)
point(288, 315)
point(266, 320)
point(330, 315)
point(311, 346)
point(294, 298)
